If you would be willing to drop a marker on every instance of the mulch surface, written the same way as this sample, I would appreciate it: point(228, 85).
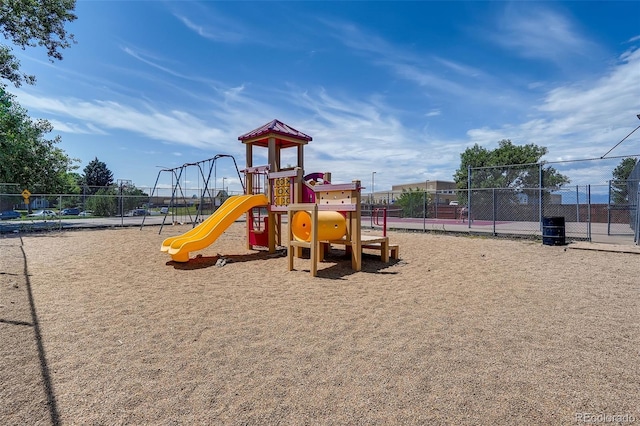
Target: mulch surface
point(100, 327)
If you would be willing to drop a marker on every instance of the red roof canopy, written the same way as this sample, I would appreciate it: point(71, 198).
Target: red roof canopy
point(285, 135)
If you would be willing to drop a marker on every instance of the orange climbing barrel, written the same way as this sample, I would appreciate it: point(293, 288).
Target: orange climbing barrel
point(331, 225)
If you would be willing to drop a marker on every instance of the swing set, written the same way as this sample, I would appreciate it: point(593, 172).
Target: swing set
point(178, 205)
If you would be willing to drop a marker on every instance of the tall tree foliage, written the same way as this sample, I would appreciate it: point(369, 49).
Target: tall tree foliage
point(97, 175)
point(619, 184)
point(491, 174)
point(27, 157)
point(104, 202)
point(31, 23)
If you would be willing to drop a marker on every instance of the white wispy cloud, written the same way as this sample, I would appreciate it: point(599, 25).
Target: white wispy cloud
point(535, 31)
point(432, 74)
point(462, 69)
point(404, 64)
point(357, 134)
point(78, 128)
point(220, 30)
point(170, 126)
point(580, 120)
point(154, 60)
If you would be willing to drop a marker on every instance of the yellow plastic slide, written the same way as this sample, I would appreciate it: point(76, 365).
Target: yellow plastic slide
point(208, 231)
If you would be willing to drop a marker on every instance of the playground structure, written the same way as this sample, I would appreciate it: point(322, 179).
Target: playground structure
point(320, 214)
point(178, 174)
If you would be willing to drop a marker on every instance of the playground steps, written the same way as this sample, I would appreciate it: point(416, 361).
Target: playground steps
point(371, 242)
point(394, 249)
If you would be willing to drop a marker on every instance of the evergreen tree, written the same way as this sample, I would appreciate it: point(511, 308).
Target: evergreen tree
point(96, 175)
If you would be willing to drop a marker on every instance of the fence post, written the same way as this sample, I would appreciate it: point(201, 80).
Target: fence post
point(541, 196)
point(609, 210)
point(122, 208)
point(424, 211)
point(636, 236)
point(589, 212)
point(469, 197)
point(493, 201)
point(59, 212)
point(577, 205)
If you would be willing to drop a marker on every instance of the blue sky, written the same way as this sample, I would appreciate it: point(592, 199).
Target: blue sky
point(399, 88)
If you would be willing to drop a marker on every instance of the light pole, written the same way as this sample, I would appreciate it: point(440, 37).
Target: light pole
point(373, 181)
point(425, 204)
point(426, 193)
point(224, 179)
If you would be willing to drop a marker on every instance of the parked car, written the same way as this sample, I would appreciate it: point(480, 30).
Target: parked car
point(70, 212)
point(137, 212)
point(86, 213)
point(9, 214)
point(43, 213)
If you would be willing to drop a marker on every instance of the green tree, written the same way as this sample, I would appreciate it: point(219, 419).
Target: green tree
point(412, 202)
point(493, 175)
point(72, 190)
point(132, 198)
point(73, 183)
point(96, 175)
point(619, 184)
point(522, 175)
point(104, 202)
point(27, 158)
point(31, 23)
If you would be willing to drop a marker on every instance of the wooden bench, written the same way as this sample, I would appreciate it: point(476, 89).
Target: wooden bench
point(394, 249)
point(368, 242)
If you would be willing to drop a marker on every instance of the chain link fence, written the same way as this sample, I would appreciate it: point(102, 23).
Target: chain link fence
point(514, 200)
point(502, 201)
point(122, 201)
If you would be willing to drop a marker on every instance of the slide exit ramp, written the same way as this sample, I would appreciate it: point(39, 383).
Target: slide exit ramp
point(208, 231)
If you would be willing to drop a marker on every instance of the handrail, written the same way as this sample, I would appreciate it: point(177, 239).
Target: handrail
point(376, 219)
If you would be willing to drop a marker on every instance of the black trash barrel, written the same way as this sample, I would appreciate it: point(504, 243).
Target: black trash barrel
point(553, 231)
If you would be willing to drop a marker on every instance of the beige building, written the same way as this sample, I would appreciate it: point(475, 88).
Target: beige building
point(441, 190)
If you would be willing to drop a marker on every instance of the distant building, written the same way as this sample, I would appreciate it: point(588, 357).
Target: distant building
point(441, 191)
point(40, 203)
